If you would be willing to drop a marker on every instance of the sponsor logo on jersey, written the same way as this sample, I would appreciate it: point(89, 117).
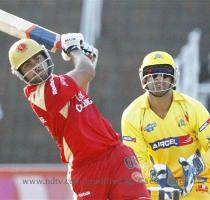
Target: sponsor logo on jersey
point(129, 139)
point(84, 194)
point(202, 188)
point(204, 125)
point(150, 127)
point(83, 102)
point(137, 177)
point(52, 85)
point(172, 141)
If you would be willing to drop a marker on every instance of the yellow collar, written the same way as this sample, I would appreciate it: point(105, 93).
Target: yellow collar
point(177, 96)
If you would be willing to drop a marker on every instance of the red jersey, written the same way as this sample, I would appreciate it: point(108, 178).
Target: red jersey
point(72, 119)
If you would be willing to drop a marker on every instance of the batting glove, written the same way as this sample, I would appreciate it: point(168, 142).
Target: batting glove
point(70, 42)
point(191, 167)
point(91, 52)
point(164, 177)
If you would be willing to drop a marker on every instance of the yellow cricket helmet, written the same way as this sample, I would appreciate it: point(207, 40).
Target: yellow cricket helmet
point(158, 63)
point(23, 50)
point(158, 58)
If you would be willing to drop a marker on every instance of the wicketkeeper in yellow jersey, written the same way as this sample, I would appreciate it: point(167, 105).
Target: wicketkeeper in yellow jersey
point(169, 131)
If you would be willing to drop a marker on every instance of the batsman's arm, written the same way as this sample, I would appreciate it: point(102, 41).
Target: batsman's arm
point(84, 70)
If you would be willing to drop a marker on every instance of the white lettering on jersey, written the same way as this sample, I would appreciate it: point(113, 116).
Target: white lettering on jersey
point(63, 82)
point(204, 125)
point(128, 138)
point(83, 102)
point(54, 89)
point(164, 143)
point(42, 120)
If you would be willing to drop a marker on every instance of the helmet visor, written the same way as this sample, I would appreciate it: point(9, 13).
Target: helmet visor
point(37, 69)
point(41, 73)
point(165, 69)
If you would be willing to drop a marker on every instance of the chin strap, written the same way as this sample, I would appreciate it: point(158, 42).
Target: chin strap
point(160, 95)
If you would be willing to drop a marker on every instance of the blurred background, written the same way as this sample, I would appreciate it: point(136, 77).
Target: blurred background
point(124, 31)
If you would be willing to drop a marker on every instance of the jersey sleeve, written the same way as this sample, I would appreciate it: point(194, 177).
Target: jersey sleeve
point(203, 126)
point(133, 137)
point(58, 91)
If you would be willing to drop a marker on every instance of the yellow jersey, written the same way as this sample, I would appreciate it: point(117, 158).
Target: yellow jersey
point(184, 130)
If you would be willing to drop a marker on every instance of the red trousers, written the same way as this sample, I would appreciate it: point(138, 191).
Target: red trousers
point(114, 176)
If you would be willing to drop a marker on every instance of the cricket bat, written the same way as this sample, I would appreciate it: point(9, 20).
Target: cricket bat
point(21, 28)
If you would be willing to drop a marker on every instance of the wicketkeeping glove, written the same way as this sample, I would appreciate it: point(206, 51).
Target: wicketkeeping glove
point(91, 52)
point(191, 167)
point(164, 177)
point(70, 42)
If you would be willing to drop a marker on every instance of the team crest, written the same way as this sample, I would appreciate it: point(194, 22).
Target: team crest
point(150, 127)
point(181, 123)
point(21, 47)
point(181, 120)
point(158, 56)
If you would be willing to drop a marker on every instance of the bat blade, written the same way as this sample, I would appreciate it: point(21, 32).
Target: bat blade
point(21, 28)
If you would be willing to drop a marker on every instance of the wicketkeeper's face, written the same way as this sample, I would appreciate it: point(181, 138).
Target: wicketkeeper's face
point(159, 84)
point(158, 80)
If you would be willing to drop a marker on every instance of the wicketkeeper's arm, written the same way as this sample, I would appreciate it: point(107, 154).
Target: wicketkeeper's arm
point(132, 137)
point(206, 158)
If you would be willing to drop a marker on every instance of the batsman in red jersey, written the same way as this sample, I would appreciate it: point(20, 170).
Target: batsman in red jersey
point(102, 167)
